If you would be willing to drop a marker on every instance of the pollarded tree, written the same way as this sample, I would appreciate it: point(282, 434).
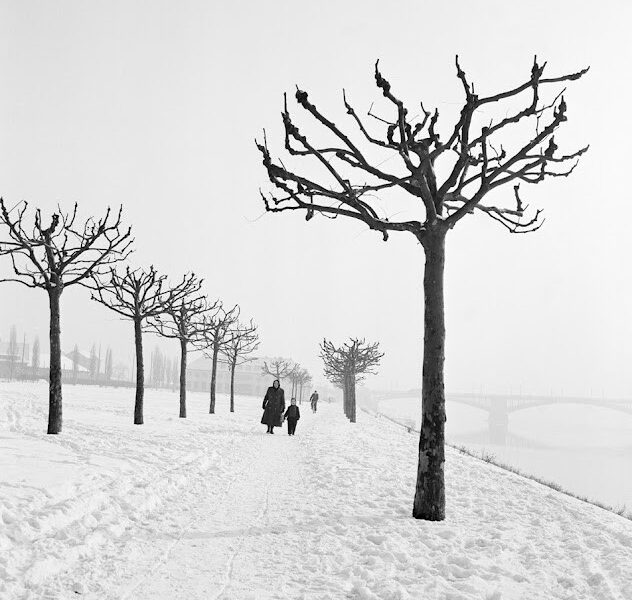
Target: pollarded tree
point(279, 368)
point(215, 338)
point(335, 371)
point(447, 178)
point(183, 320)
point(53, 258)
point(294, 376)
point(303, 379)
point(140, 295)
point(348, 365)
point(242, 341)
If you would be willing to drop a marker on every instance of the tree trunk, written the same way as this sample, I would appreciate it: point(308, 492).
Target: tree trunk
point(183, 379)
point(140, 373)
point(54, 378)
point(232, 387)
point(429, 501)
point(352, 398)
point(213, 378)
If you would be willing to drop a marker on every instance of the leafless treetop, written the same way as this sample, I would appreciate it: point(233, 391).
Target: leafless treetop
point(471, 156)
point(140, 294)
point(66, 251)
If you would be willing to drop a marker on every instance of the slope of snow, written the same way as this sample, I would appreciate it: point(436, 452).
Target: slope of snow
point(211, 507)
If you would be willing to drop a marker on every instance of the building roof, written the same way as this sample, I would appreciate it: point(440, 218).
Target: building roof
point(66, 363)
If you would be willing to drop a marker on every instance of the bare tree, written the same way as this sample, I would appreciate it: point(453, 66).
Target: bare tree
point(301, 378)
point(108, 365)
point(35, 357)
point(93, 368)
point(474, 158)
point(294, 376)
point(183, 321)
point(12, 350)
point(348, 365)
point(242, 341)
point(140, 295)
point(58, 256)
point(279, 368)
point(215, 337)
point(75, 363)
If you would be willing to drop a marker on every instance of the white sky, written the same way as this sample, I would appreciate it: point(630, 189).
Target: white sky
point(155, 105)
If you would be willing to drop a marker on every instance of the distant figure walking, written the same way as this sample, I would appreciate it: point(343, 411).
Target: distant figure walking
point(313, 400)
point(292, 414)
point(273, 407)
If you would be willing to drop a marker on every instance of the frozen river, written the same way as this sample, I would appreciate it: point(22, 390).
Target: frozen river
point(587, 450)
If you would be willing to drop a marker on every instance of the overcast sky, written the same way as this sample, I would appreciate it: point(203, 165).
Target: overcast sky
point(155, 105)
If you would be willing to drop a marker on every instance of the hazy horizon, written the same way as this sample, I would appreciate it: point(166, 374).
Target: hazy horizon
point(156, 107)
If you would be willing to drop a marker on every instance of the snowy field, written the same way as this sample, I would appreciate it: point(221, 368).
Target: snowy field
point(211, 507)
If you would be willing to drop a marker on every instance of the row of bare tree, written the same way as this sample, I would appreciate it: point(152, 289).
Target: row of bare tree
point(281, 368)
point(67, 252)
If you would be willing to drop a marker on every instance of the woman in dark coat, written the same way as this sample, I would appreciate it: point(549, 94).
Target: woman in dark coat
point(273, 407)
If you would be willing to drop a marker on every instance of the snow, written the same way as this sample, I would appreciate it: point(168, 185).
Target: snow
point(211, 507)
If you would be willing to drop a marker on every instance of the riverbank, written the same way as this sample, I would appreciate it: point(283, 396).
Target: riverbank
point(211, 507)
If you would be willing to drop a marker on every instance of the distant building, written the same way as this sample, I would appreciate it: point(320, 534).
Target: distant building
point(249, 377)
point(13, 358)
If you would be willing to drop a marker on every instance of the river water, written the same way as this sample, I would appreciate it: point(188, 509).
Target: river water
point(587, 450)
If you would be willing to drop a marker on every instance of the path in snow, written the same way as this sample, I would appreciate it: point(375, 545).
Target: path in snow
point(213, 508)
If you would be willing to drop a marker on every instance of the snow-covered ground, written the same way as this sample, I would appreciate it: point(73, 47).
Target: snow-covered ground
point(211, 507)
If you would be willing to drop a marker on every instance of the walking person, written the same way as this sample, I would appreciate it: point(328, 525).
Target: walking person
point(313, 400)
point(292, 414)
point(273, 406)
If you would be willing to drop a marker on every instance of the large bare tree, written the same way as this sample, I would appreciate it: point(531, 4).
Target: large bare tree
point(243, 340)
point(183, 320)
point(214, 338)
point(447, 176)
point(64, 253)
point(140, 295)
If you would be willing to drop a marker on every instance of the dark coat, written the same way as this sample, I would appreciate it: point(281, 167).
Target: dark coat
point(273, 407)
point(293, 412)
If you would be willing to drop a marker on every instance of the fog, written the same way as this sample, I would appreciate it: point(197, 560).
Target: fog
point(156, 107)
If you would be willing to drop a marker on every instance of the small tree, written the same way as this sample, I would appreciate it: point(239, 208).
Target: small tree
point(242, 341)
point(183, 321)
point(75, 363)
point(94, 363)
point(108, 365)
point(12, 350)
point(140, 296)
point(348, 365)
point(53, 258)
point(35, 357)
point(215, 338)
point(303, 379)
point(279, 368)
point(446, 179)
point(294, 376)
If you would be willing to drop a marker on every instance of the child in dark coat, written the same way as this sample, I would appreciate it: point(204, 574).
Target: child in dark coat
point(292, 414)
